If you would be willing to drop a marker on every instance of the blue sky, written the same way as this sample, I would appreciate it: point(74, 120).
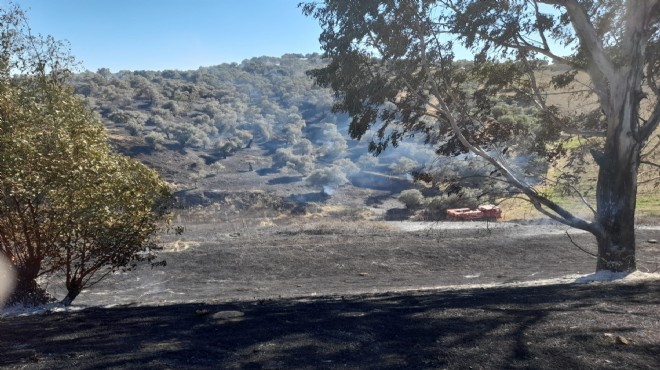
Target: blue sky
point(173, 34)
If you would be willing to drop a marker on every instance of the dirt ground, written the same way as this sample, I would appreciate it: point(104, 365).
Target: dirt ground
point(353, 295)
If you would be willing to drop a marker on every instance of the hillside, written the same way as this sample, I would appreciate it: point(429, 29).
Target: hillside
point(238, 127)
point(262, 126)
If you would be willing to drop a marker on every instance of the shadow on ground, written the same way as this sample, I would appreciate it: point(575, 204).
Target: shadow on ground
point(561, 326)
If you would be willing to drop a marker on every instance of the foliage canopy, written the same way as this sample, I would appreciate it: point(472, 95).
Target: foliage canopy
point(69, 205)
point(392, 65)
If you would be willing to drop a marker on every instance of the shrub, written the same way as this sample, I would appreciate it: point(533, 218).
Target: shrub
point(327, 179)
point(284, 157)
point(412, 198)
point(438, 205)
point(154, 139)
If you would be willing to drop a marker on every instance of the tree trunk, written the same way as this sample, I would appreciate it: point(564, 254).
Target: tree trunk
point(73, 289)
point(71, 295)
point(25, 289)
point(27, 292)
point(616, 198)
point(616, 191)
point(616, 239)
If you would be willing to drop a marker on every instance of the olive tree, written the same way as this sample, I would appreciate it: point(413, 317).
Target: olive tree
point(69, 205)
point(392, 63)
point(114, 206)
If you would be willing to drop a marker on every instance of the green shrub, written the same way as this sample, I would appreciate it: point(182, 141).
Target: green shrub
point(438, 205)
point(412, 198)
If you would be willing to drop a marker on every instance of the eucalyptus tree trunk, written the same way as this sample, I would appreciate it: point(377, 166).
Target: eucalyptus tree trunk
point(616, 195)
point(616, 191)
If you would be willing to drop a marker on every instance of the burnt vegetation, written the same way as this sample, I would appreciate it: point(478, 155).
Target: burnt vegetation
point(189, 125)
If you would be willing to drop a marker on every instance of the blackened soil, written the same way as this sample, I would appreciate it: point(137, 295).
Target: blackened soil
point(245, 299)
point(212, 263)
point(597, 326)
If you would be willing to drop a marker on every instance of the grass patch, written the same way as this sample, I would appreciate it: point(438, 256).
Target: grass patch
point(647, 211)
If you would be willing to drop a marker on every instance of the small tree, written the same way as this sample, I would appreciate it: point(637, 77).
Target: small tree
point(284, 157)
point(154, 139)
point(404, 166)
point(113, 215)
point(217, 167)
point(68, 203)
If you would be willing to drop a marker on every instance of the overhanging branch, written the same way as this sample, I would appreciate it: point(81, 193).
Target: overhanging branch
point(539, 201)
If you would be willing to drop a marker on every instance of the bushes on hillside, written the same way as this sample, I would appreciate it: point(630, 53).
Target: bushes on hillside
point(412, 198)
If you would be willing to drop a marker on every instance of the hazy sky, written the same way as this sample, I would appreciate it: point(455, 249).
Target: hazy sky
point(173, 34)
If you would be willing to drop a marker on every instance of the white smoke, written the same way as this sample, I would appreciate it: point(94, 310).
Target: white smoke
point(328, 179)
point(329, 190)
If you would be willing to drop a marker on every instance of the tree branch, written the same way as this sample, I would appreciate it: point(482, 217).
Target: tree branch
point(538, 98)
point(648, 180)
point(522, 47)
point(589, 38)
point(650, 163)
point(578, 247)
point(652, 150)
point(562, 215)
point(638, 16)
point(651, 124)
point(650, 73)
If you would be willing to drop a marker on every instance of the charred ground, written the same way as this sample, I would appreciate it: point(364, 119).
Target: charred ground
point(319, 293)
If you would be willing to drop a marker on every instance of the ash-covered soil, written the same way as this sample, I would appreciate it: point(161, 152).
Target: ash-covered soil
point(225, 262)
point(368, 295)
point(602, 326)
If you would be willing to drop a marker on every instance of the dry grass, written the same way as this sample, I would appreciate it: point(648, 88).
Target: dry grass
point(648, 198)
point(339, 212)
point(331, 226)
point(647, 211)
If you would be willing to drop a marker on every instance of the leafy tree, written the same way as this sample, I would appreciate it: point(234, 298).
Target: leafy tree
point(332, 144)
point(217, 167)
point(391, 62)
point(187, 134)
point(154, 139)
point(114, 208)
point(68, 204)
point(304, 147)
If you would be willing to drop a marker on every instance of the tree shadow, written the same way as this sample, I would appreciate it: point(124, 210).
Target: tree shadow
point(284, 180)
point(537, 327)
point(318, 197)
